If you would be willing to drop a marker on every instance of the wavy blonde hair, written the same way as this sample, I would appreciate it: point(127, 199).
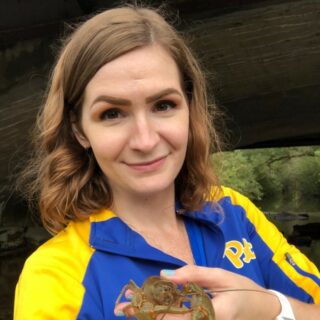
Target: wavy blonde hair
point(65, 177)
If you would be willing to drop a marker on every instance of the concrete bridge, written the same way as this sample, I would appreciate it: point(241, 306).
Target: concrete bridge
point(262, 59)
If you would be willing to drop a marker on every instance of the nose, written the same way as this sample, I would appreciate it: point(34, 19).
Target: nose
point(144, 135)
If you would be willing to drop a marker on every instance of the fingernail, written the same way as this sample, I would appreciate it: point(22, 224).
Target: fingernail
point(168, 272)
point(120, 313)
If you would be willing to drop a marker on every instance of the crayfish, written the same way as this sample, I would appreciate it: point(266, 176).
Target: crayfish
point(160, 297)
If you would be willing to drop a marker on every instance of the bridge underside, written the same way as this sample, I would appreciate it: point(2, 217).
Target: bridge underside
point(262, 59)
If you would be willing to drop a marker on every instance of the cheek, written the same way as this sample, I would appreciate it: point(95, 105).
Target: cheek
point(183, 138)
point(178, 139)
point(106, 146)
point(182, 133)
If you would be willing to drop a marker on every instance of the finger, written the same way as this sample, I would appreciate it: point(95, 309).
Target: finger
point(189, 273)
point(122, 309)
point(203, 276)
point(129, 294)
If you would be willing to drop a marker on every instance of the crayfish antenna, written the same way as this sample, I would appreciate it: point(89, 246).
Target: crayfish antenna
point(166, 312)
point(121, 293)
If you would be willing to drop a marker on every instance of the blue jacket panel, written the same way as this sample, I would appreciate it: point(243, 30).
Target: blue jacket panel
point(93, 260)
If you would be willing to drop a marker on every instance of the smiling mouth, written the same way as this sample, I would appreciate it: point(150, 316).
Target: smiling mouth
point(147, 166)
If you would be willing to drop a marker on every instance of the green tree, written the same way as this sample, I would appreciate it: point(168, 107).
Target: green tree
point(234, 170)
point(291, 172)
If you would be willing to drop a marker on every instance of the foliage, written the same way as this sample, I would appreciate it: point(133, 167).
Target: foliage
point(234, 170)
point(293, 172)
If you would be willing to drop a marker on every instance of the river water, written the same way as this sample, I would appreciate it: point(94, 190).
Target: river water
point(11, 265)
point(310, 207)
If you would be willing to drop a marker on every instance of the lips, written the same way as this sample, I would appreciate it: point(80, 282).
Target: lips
point(147, 166)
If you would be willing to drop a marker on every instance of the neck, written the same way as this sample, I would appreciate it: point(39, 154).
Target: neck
point(154, 218)
point(149, 212)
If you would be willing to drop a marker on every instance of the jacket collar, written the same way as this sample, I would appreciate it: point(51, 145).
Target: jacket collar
point(110, 234)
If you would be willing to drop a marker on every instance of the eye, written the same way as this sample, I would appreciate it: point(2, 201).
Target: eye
point(110, 114)
point(165, 105)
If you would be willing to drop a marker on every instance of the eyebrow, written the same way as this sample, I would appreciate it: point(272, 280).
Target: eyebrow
point(162, 94)
point(126, 102)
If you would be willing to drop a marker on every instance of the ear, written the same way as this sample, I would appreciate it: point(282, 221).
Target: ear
point(82, 139)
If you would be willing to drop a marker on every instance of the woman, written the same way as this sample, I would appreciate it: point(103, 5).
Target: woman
point(125, 183)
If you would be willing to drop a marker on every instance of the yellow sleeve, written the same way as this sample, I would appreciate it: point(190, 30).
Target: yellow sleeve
point(50, 285)
point(45, 292)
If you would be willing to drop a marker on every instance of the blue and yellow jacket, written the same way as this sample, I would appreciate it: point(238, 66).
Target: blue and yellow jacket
point(79, 273)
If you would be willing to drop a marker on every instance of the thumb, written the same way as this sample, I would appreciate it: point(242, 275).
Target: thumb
point(205, 277)
point(192, 273)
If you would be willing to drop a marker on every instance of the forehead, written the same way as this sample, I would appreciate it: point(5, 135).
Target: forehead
point(149, 65)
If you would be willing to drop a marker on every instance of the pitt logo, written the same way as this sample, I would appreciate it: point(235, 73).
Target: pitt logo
point(239, 253)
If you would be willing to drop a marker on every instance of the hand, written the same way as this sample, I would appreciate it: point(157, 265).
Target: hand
point(121, 306)
point(252, 302)
point(229, 305)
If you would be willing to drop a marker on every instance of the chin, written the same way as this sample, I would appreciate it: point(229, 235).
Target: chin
point(154, 187)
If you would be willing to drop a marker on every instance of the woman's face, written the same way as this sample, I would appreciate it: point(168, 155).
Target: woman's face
point(135, 117)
